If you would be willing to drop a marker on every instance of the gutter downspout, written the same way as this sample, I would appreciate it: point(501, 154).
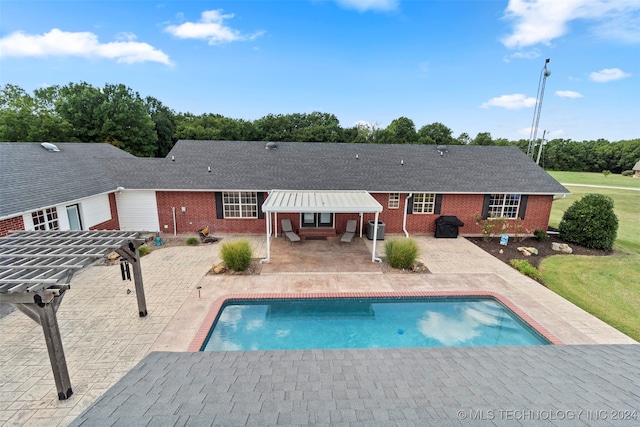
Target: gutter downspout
point(404, 217)
point(375, 238)
point(173, 212)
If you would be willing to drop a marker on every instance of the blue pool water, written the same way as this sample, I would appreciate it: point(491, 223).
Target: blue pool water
point(294, 324)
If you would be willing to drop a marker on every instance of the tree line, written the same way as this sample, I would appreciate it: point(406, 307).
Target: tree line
point(145, 127)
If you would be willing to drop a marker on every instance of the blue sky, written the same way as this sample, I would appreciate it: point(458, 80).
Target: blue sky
point(472, 65)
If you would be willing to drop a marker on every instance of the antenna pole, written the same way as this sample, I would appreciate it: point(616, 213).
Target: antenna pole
point(542, 144)
point(536, 113)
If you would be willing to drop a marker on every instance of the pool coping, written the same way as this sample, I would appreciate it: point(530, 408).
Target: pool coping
point(203, 331)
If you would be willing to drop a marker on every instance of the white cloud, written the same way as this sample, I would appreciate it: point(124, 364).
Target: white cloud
point(210, 27)
point(365, 5)
point(529, 54)
point(568, 94)
point(608, 74)
point(510, 102)
point(541, 21)
point(83, 44)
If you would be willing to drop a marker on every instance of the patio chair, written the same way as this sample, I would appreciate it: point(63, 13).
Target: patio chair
point(347, 237)
point(287, 231)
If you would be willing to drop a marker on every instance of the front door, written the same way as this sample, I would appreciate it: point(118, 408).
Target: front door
point(317, 219)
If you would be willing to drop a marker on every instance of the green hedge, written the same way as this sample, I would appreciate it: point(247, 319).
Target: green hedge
point(525, 267)
point(590, 222)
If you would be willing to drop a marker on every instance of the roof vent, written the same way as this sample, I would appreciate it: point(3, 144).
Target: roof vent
point(271, 145)
point(49, 146)
point(442, 149)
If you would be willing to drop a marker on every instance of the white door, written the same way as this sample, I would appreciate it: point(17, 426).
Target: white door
point(137, 210)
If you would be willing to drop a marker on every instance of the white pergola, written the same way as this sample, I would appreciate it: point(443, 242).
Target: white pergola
point(36, 269)
point(295, 201)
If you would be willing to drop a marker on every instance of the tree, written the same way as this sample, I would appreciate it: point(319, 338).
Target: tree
point(483, 138)
point(164, 121)
point(435, 133)
point(464, 139)
point(590, 222)
point(401, 131)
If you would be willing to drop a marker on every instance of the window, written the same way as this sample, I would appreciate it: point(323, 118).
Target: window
point(45, 220)
point(240, 204)
point(504, 205)
point(424, 203)
point(394, 200)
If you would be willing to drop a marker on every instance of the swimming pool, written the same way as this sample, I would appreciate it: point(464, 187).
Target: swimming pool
point(367, 322)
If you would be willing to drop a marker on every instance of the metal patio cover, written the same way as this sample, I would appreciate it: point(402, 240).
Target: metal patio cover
point(294, 201)
point(36, 268)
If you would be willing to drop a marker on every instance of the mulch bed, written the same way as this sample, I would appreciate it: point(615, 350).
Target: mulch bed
point(510, 251)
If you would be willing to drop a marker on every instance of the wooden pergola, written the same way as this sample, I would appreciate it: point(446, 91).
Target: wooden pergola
point(36, 268)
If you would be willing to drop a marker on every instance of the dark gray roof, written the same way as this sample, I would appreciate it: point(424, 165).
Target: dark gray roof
point(240, 165)
point(32, 177)
point(571, 385)
point(636, 167)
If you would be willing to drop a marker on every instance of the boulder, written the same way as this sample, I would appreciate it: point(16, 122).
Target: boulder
point(113, 256)
point(219, 268)
point(561, 247)
point(524, 251)
point(533, 251)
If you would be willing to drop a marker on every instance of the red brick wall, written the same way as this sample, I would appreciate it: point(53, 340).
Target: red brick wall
point(9, 224)
point(200, 212)
point(113, 223)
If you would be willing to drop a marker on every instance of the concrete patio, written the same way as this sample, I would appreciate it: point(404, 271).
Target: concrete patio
point(104, 338)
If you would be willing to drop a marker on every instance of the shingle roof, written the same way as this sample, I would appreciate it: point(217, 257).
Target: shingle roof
point(637, 166)
point(334, 166)
point(32, 177)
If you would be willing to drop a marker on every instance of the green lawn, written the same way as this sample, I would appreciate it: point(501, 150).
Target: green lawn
point(607, 287)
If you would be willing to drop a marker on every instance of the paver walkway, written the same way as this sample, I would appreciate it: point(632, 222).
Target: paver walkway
point(104, 338)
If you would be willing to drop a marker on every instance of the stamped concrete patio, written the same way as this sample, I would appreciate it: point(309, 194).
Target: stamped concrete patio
point(105, 339)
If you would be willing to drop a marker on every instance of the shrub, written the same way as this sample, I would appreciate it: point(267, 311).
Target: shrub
point(237, 255)
point(541, 235)
point(192, 241)
point(627, 173)
point(606, 173)
point(590, 222)
point(401, 253)
point(525, 267)
point(144, 250)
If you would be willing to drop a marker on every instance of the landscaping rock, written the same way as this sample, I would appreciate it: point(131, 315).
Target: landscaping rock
point(219, 268)
point(524, 251)
point(533, 251)
point(113, 256)
point(561, 247)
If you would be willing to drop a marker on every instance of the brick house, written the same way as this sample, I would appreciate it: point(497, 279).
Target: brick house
point(223, 185)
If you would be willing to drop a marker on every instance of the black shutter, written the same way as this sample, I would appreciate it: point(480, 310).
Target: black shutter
point(219, 206)
point(410, 205)
point(485, 206)
point(438, 206)
point(523, 206)
point(260, 202)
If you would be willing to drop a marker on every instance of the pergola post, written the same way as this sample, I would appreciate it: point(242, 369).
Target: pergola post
point(45, 316)
point(132, 255)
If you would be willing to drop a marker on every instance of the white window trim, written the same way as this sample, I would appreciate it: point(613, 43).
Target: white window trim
point(394, 201)
point(429, 200)
point(47, 224)
point(241, 206)
point(503, 205)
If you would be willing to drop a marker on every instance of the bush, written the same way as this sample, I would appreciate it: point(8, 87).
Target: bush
point(144, 250)
point(590, 222)
point(192, 241)
point(237, 255)
point(606, 173)
point(525, 267)
point(401, 253)
point(627, 173)
point(541, 235)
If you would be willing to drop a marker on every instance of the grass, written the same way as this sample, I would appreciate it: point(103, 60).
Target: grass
point(607, 287)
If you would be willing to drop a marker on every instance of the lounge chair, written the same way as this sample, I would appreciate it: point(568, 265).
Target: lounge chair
point(287, 231)
point(347, 237)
